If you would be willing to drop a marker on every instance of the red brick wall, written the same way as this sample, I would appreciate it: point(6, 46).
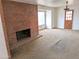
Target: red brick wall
point(20, 16)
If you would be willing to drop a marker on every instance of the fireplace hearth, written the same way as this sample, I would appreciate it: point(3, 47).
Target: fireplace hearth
point(23, 34)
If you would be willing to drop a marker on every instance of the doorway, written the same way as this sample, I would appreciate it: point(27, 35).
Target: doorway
point(68, 19)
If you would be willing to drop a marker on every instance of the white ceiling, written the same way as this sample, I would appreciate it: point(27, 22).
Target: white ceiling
point(50, 3)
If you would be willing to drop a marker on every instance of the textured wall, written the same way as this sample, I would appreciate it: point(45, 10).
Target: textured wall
point(20, 16)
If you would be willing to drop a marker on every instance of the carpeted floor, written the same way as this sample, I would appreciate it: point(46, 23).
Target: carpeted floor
point(54, 44)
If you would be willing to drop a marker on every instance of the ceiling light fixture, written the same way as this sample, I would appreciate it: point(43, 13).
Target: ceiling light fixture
point(66, 8)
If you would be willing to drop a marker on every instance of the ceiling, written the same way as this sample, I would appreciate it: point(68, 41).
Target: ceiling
point(49, 3)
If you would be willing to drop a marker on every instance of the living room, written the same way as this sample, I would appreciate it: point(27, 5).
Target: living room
point(20, 28)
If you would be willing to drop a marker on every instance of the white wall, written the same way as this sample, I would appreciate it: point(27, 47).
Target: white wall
point(75, 6)
point(60, 22)
point(3, 49)
point(55, 17)
point(76, 15)
point(48, 19)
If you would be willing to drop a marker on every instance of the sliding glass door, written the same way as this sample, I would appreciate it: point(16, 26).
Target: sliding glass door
point(42, 19)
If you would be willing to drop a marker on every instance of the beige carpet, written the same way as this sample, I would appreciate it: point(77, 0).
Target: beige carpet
point(54, 44)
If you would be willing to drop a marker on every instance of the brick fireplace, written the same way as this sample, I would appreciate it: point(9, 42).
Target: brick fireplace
point(23, 34)
point(20, 18)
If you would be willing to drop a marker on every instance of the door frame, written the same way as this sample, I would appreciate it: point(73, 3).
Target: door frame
point(65, 17)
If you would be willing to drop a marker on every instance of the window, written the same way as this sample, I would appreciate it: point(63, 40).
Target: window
point(69, 15)
point(41, 18)
point(44, 19)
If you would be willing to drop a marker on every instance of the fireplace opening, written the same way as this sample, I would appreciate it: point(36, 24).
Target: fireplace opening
point(23, 34)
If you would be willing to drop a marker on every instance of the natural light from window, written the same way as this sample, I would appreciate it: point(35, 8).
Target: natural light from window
point(41, 18)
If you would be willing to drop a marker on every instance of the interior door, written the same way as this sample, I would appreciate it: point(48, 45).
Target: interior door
point(68, 19)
